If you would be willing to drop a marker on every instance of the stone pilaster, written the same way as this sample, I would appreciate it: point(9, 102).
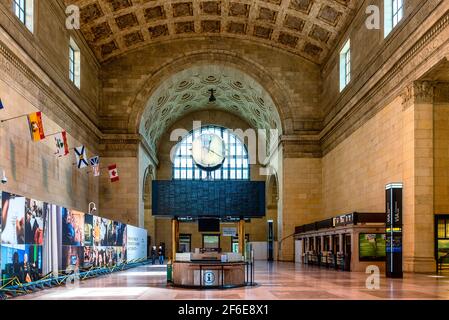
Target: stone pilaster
point(300, 191)
point(122, 200)
point(418, 208)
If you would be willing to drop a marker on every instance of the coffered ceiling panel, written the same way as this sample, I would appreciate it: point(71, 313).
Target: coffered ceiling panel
point(308, 28)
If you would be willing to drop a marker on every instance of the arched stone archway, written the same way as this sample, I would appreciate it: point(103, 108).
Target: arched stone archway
point(155, 80)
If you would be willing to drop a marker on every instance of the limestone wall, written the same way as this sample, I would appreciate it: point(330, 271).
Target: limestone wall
point(34, 76)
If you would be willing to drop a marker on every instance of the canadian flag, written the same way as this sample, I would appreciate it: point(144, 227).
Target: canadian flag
point(113, 173)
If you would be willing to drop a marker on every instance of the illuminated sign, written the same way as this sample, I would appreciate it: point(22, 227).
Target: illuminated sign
point(344, 220)
point(229, 232)
point(393, 230)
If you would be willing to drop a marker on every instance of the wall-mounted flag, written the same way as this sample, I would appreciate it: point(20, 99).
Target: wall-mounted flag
point(81, 157)
point(1, 104)
point(95, 164)
point(36, 126)
point(62, 147)
point(113, 173)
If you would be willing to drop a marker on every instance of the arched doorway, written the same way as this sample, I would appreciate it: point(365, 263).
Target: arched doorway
point(240, 103)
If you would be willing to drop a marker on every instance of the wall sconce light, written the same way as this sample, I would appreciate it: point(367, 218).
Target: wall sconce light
point(4, 178)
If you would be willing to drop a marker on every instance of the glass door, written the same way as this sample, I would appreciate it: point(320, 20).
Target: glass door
point(442, 240)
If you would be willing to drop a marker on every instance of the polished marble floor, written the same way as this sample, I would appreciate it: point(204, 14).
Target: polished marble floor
point(275, 281)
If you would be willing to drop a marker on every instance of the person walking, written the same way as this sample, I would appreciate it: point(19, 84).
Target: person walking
point(161, 253)
point(153, 254)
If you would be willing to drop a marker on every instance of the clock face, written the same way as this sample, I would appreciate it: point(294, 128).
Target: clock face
point(208, 151)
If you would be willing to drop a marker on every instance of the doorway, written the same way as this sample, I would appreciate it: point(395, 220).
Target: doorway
point(185, 243)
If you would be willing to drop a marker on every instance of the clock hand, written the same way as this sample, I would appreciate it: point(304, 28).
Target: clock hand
point(220, 155)
point(210, 142)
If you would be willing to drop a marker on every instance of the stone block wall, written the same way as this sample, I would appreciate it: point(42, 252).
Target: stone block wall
point(301, 198)
point(31, 167)
point(441, 155)
point(34, 73)
point(120, 200)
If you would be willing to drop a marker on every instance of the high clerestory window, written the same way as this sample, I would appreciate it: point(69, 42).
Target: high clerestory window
point(345, 65)
point(236, 164)
point(394, 12)
point(74, 63)
point(24, 10)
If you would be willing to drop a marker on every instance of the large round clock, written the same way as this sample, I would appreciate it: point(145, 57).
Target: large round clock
point(208, 151)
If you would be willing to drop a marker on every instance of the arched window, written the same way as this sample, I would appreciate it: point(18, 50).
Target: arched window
point(235, 166)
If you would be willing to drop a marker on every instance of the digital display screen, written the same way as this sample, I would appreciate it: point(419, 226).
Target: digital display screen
point(208, 225)
point(372, 247)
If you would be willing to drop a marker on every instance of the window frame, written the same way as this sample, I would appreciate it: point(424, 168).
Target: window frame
point(24, 12)
point(235, 167)
point(393, 15)
point(74, 64)
point(345, 65)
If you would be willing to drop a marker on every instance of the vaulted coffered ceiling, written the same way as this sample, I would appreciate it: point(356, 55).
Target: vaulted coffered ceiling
point(188, 91)
point(308, 28)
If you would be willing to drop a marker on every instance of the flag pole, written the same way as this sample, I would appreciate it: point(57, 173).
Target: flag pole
point(13, 118)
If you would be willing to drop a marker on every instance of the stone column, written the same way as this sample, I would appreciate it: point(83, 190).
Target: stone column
point(418, 211)
point(242, 236)
point(441, 148)
point(300, 193)
point(322, 243)
point(124, 200)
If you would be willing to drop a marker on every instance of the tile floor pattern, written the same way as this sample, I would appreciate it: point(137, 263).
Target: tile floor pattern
point(275, 281)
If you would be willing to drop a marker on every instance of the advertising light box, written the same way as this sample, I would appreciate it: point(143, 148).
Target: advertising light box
point(372, 247)
point(136, 243)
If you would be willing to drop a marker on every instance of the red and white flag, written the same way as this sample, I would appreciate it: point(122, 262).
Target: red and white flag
point(113, 173)
point(62, 148)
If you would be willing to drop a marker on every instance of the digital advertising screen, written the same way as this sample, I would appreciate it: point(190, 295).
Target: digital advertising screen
point(372, 247)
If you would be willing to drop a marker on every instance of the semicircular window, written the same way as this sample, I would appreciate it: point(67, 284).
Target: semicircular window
point(235, 166)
